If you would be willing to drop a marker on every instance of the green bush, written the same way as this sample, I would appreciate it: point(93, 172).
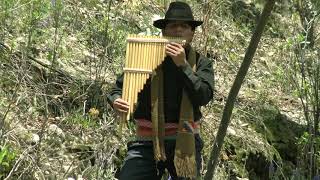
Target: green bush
point(7, 159)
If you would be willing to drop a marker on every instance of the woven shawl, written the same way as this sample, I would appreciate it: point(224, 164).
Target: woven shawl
point(184, 159)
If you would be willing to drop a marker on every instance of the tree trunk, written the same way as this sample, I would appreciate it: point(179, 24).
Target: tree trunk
point(218, 142)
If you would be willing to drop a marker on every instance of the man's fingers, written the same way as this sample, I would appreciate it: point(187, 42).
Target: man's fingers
point(174, 47)
point(121, 101)
point(122, 111)
point(174, 50)
point(175, 44)
point(121, 106)
point(171, 52)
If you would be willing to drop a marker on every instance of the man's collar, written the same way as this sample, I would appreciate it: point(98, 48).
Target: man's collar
point(187, 49)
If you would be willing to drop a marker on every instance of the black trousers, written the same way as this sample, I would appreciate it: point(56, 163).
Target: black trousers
point(140, 164)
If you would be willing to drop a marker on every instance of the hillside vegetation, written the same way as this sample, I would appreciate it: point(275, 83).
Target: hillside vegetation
point(59, 58)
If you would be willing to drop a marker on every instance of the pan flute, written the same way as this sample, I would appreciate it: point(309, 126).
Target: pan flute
point(143, 55)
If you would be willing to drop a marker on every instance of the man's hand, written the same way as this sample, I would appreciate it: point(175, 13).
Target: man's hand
point(121, 106)
point(177, 53)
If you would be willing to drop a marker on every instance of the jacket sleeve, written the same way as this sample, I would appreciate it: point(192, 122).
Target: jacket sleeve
point(200, 84)
point(116, 90)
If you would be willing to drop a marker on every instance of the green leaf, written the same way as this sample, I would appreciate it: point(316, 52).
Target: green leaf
point(11, 156)
point(3, 153)
point(5, 164)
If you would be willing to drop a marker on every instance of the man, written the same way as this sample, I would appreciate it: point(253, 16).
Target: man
point(187, 78)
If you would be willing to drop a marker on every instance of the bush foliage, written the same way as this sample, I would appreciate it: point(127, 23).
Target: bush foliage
point(59, 59)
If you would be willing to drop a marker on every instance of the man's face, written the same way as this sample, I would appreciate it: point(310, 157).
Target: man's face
point(179, 29)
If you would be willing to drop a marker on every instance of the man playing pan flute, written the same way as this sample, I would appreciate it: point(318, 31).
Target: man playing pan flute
point(186, 79)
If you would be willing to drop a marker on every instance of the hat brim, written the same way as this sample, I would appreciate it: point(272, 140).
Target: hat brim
point(161, 23)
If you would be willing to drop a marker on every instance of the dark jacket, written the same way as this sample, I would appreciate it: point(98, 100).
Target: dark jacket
point(199, 86)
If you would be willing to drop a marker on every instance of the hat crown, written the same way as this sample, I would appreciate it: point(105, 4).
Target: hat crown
point(179, 10)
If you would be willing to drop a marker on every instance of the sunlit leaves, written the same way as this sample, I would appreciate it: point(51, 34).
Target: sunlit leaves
point(7, 157)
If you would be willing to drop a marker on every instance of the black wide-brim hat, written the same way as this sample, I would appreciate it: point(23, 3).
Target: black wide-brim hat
point(177, 11)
